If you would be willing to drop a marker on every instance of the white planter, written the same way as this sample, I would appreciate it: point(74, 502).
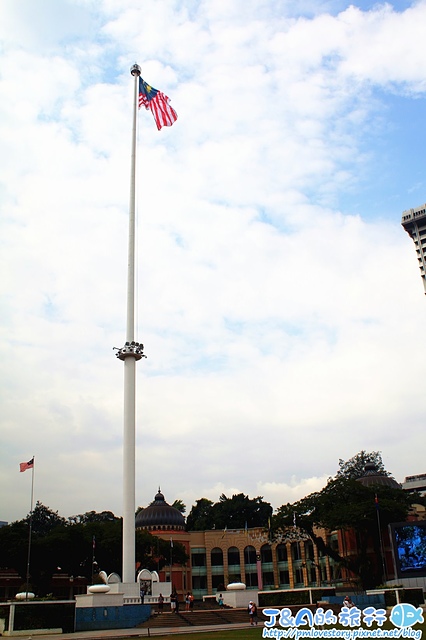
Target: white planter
point(99, 588)
point(235, 586)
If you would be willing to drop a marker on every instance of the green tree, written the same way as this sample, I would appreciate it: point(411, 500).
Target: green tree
point(14, 547)
point(179, 505)
point(72, 545)
point(200, 518)
point(44, 559)
point(93, 516)
point(240, 511)
point(346, 504)
point(43, 520)
point(355, 467)
point(154, 553)
point(236, 512)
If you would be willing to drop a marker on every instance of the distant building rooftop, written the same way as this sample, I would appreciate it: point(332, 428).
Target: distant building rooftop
point(415, 483)
point(414, 223)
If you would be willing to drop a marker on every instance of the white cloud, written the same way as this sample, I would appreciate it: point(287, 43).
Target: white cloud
point(283, 331)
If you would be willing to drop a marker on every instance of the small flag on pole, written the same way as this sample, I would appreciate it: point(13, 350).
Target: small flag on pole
point(158, 102)
point(376, 500)
point(294, 520)
point(171, 542)
point(26, 465)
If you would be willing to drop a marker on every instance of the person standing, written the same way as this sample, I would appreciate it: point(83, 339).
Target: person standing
point(220, 600)
point(173, 602)
point(347, 602)
point(252, 610)
point(160, 603)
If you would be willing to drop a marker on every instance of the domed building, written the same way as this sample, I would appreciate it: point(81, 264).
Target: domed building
point(166, 522)
point(218, 557)
point(378, 546)
point(160, 516)
point(372, 476)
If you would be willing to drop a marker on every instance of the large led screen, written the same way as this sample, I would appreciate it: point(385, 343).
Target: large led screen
point(409, 546)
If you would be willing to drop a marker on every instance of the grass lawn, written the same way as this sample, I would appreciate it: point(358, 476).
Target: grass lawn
point(234, 634)
point(251, 633)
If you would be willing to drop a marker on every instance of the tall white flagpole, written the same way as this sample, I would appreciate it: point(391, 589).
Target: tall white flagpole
point(30, 529)
point(131, 352)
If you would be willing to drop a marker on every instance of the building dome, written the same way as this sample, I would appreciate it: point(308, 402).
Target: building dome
point(160, 516)
point(372, 476)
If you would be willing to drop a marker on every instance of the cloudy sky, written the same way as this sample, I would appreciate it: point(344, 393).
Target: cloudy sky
point(279, 299)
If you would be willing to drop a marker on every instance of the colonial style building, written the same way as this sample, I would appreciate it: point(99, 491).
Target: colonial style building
point(166, 522)
point(219, 557)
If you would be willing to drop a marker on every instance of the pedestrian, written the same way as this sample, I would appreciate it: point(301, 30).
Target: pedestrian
point(191, 602)
point(173, 602)
point(252, 610)
point(255, 613)
point(160, 603)
point(220, 600)
point(187, 602)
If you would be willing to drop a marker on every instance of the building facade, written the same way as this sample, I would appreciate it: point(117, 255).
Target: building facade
point(415, 483)
point(219, 557)
point(414, 223)
point(165, 522)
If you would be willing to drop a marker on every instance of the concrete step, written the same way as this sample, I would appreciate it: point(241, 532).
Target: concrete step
point(197, 618)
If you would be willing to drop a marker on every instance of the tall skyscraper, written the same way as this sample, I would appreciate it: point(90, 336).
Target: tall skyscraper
point(414, 222)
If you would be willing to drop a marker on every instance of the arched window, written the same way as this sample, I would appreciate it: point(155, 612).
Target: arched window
point(250, 555)
point(296, 552)
point(234, 565)
point(282, 553)
point(198, 557)
point(250, 567)
point(309, 550)
point(216, 557)
point(233, 556)
point(266, 553)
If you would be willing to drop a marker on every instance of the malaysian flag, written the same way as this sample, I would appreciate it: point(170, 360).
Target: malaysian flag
point(23, 466)
point(155, 100)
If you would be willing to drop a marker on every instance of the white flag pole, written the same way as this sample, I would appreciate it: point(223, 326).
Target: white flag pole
point(130, 353)
point(27, 583)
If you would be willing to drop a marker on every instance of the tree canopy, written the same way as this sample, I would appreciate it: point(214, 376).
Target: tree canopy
point(237, 512)
point(72, 545)
point(345, 503)
point(179, 505)
point(355, 467)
